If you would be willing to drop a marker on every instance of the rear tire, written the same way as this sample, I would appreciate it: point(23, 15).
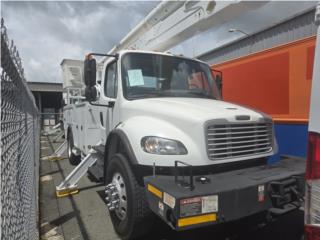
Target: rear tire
point(73, 159)
point(138, 218)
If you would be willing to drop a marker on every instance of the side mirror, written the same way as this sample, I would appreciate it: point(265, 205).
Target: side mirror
point(219, 83)
point(91, 94)
point(90, 71)
point(218, 79)
point(90, 78)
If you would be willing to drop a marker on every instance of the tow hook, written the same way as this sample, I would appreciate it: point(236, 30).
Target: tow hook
point(286, 195)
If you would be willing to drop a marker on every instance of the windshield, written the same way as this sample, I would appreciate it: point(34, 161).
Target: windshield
point(150, 75)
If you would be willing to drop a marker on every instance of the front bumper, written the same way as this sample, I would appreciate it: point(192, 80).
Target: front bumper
point(196, 201)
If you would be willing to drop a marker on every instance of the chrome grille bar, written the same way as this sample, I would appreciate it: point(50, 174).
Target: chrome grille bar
point(233, 133)
point(243, 146)
point(224, 143)
point(237, 140)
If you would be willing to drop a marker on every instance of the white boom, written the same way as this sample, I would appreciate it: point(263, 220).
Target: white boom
point(173, 22)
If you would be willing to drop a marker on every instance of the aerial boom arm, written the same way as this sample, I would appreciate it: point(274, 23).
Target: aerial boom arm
point(173, 22)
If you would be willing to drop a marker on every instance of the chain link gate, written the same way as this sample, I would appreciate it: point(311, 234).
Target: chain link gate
point(19, 148)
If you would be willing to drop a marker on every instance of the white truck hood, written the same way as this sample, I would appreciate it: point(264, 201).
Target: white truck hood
point(192, 109)
point(182, 119)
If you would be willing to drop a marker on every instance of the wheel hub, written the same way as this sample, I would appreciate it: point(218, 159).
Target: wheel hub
point(116, 196)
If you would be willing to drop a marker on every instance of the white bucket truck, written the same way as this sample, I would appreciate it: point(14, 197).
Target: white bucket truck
point(166, 145)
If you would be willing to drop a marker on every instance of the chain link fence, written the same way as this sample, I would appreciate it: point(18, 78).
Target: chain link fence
point(19, 148)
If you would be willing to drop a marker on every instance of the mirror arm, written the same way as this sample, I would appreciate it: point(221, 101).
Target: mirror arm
point(110, 105)
point(104, 55)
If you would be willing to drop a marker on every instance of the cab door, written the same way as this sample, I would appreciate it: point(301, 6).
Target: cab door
point(108, 115)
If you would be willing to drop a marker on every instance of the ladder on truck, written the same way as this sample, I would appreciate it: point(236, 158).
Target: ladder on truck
point(69, 185)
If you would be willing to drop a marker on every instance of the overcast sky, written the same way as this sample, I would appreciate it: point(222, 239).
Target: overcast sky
point(47, 32)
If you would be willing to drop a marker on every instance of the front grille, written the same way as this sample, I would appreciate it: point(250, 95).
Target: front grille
point(238, 140)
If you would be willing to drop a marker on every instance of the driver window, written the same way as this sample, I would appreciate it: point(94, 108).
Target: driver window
point(110, 87)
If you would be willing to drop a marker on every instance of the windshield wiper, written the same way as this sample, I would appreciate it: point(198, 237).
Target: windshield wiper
point(202, 94)
point(155, 94)
point(146, 95)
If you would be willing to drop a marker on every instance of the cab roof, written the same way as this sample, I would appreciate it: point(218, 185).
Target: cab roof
point(122, 52)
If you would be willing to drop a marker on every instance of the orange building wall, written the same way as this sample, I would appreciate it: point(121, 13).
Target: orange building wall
point(276, 81)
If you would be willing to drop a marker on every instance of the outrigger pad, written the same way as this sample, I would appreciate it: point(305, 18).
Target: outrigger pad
point(66, 192)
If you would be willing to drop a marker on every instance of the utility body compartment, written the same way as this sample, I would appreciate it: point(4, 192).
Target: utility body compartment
point(191, 201)
point(84, 122)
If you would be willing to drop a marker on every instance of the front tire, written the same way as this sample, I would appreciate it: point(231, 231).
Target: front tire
point(132, 217)
point(73, 159)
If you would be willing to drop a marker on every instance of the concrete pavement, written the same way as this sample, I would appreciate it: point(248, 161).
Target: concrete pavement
point(77, 217)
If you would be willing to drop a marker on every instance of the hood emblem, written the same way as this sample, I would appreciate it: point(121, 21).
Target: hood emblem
point(242, 117)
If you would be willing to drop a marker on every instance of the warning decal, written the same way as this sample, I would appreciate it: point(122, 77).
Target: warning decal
point(169, 200)
point(261, 193)
point(198, 205)
point(190, 206)
point(210, 204)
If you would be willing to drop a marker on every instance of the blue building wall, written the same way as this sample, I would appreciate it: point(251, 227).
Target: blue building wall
point(292, 140)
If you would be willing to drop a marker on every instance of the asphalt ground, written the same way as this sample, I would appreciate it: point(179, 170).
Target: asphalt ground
point(84, 215)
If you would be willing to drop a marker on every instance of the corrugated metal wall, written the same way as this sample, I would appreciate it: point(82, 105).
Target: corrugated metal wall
point(297, 28)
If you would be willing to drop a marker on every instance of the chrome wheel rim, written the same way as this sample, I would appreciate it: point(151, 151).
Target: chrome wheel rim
point(116, 196)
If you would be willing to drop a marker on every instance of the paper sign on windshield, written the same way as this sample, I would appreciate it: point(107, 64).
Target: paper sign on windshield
point(135, 77)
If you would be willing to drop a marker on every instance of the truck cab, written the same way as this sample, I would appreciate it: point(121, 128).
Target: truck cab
point(169, 108)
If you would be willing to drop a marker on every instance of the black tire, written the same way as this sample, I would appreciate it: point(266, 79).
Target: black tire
point(139, 218)
point(73, 159)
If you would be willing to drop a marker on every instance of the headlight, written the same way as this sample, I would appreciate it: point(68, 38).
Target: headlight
point(162, 146)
